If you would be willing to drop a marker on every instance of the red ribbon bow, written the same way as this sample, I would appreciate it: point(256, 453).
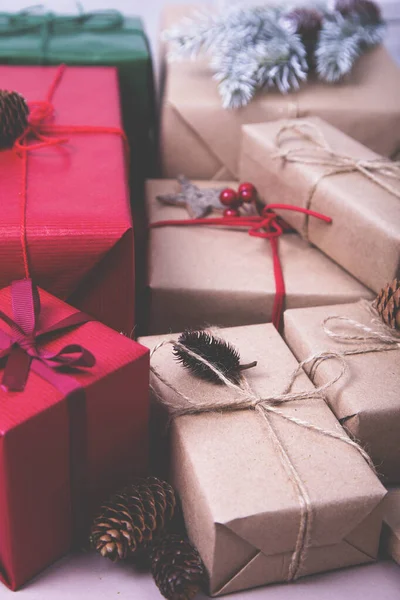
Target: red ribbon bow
point(269, 226)
point(27, 334)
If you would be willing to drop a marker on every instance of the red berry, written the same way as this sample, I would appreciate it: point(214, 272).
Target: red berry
point(247, 192)
point(231, 212)
point(228, 197)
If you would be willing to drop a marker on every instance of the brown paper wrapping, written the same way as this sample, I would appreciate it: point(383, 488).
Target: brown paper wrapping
point(364, 236)
point(391, 517)
point(202, 140)
point(240, 508)
point(366, 400)
point(209, 275)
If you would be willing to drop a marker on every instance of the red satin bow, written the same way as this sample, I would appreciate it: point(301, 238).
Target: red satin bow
point(26, 335)
point(269, 226)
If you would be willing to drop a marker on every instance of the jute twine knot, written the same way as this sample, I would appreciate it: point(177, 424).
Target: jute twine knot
point(244, 398)
point(376, 337)
point(320, 153)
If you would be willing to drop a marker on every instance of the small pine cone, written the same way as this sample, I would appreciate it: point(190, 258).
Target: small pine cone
point(366, 10)
point(177, 568)
point(307, 22)
point(13, 118)
point(114, 530)
point(130, 520)
point(387, 304)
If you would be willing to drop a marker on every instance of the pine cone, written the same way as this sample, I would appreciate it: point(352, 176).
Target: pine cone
point(366, 10)
point(13, 117)
point(306, 22)
point(387, 304)
point(177, 568)
point(130, 520)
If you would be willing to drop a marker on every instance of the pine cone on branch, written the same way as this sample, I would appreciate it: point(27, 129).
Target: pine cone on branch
point(387, 303)
point(13, 118)
point(177, 568)
point(131, 519)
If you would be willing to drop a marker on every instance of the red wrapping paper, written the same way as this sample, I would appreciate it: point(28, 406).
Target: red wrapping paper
point(36, 523)
point(79, 228)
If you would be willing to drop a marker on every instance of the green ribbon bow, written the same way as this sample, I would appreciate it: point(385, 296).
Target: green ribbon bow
point(35, 20)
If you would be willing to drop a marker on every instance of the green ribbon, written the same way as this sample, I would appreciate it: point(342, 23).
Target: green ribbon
point(46, 24)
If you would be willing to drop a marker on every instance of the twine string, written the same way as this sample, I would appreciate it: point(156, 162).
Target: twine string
point(386, 337)
point(321, 154)
point(244, 398)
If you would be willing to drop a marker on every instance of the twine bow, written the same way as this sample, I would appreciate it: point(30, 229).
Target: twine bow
point(243, 398)
point(320, 153)
point(27, 334)
point(35, 20)
point(268, 226)
point(385, 337)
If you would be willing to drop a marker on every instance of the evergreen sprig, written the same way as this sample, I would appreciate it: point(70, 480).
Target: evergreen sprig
point(254, 48)
point(341, 41)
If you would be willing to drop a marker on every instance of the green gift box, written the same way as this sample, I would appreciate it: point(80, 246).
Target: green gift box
point(100, 38)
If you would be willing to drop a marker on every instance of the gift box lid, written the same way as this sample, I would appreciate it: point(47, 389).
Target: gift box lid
point(112, 352)
point(367, 400)
point(230, 462)
point(77, 201)
point(209, 274)
point(29, 36)
point(354, 105)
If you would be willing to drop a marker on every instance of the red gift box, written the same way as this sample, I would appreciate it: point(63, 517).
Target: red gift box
point(79, 234)
point(70, 437)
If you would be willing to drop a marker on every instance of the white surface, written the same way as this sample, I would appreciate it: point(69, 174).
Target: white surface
point(92, 577)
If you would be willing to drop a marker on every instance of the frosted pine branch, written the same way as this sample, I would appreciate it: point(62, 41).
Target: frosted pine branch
point(341, 42)
point(254, 48)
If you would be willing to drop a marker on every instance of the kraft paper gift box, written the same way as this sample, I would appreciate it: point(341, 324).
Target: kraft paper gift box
point(98, 38)
point(69, 439)
point(240, 506)
point(364, 236)
point(366, 401)
point(79, 234)
point(391, 535)
point(209, 275)
point(202, 140)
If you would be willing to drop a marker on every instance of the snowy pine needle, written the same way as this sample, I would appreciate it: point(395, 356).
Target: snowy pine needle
point(255, 48)
point(341, 42)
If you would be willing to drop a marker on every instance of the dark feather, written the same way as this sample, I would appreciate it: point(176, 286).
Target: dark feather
point(215, 350)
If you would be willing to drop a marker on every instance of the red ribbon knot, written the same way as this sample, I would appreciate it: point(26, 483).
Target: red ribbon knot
point(40, 116)
point(27, 334)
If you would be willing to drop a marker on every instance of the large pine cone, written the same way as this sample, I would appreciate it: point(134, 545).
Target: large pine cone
point(13, 118)
point(366, 10)
point(387, 304)
point(307, 22)
point(130, 520)
point(177, 568)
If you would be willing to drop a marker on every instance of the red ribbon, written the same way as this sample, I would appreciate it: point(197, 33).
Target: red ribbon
point(269, 226)
point(41, 131)
point(27, 334)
